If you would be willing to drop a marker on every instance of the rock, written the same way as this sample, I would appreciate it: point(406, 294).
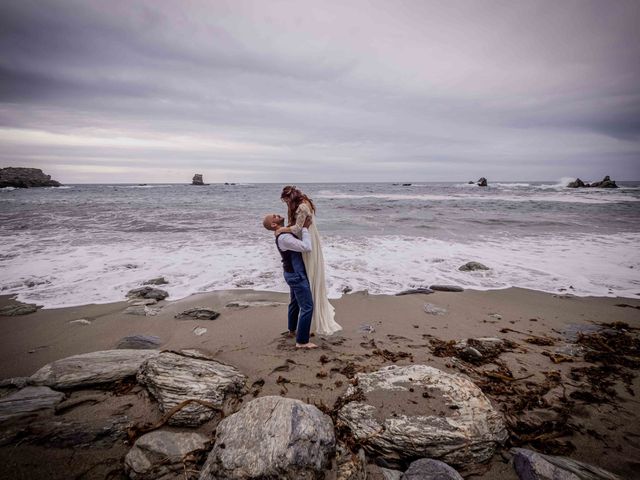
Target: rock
point(80, 321)
point(470, 354)
point(19, 177)
point(577, 183)
point(142, 301)
point(199, 331)
point(366, 328)
point(156, 281)
point(139, 342)
point(431, 309)
point(475, 350)
point(91, 368)
point(142, 310)
point(446, 288)
point(456, 423)
point(162, 455)
point(430, 469)
point(173, 378)
point(472, 267)
point(346, 289)
point(470, 182)
point(413, 291)
point(148, 292)
point(199, 313)
point(27, 401)
point(530, 465)
point(605, 183)
point(482, 182)
point(497, 316)
point(272, 437)
point(350, 466)
point(19, 309)
point(14, 382)
point(257, 303)
point(197, 179)
point(388, 473)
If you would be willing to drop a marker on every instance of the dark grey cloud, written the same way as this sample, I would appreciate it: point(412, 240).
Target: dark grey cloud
point(321, 90)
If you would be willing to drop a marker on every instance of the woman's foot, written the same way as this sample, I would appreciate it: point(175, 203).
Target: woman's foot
point(307, 345)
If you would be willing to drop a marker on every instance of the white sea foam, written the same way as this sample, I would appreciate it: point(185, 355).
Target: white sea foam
point(604, 265)
point(7, 189)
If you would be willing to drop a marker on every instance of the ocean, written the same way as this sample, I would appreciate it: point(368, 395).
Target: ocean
point(81, 244)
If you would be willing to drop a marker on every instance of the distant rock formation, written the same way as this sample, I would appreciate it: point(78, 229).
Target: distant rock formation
point(197, 179)
point(605, 183)
point(19, 177)
point(482, 182)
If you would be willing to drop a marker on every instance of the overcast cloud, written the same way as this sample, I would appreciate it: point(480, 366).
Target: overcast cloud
point(154, 91)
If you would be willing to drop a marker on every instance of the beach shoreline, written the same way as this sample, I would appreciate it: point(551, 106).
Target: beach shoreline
point(248, 335)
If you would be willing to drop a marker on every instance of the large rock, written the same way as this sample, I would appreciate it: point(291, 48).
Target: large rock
point(199, 313)
point(482, 182)
point(92, 368)
point(164, 455)
point(272, 438)
point(27, 401)
point(173, 378)
point(197, 179)
point(430, 469)
point(418, 411)
point(19, 177)
point(605, 183)
point(530, 465)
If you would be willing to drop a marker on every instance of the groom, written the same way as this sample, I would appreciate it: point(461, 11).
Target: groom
point(301, 304)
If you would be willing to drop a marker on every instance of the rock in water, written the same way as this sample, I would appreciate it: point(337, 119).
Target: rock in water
point(197, 179)
point(472, 267)
point(530, 465)
point(19, 177)
point(429, 469)
point(456, 423)
point(91, 368)
point(482, 182)
point(148, 292)
point(28, 401)
point(446, 288)
point(160, 455)
point(173, 378)
point(577, 183)
point(272, 437)
point(19, 309)
point(156, 281)
point(413, 291)
point(605, 183)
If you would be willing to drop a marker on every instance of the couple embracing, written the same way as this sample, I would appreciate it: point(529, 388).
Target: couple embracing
point(303, 264)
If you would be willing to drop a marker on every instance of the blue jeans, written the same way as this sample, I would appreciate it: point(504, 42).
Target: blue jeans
point(300, 306)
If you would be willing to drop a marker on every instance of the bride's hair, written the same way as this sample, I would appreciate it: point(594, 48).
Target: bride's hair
point(294, 198)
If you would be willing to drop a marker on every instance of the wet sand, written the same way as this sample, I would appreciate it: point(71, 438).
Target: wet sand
point(605, 433)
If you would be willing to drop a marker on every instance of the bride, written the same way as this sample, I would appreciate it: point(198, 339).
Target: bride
point(300, 207)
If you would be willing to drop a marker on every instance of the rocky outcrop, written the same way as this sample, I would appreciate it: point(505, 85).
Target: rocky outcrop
point(272, 437)
point(164, 455)
point(139, 342)
point(530, 465)
point(472, 267)
point(606, 182)
point(430, 469)
point(27, 401)
point(19, 177)
point(91, 368)
point(173, 378)
point(19, 308)
point(482, 182)
point(417, 411)
point(197, 179)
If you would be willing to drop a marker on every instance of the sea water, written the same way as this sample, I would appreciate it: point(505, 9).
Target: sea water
point(82, 244)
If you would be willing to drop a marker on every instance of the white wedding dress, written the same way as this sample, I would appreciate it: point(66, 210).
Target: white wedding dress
point(323, 322)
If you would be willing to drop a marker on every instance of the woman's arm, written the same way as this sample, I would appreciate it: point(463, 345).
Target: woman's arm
point(303, 220)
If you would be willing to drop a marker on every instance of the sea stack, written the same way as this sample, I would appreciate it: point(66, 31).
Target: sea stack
point(605, 183)
point(197, 179)
point(20, 177)
point(482, 182)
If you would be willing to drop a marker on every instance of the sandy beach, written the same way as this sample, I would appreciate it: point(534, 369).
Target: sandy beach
point(598, 425)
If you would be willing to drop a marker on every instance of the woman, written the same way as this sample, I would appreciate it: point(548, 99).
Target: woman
point(300, 207)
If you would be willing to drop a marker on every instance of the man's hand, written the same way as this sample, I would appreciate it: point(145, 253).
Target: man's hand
point(307, 222)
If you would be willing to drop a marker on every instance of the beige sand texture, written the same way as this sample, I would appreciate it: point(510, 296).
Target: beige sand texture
point(606, 433)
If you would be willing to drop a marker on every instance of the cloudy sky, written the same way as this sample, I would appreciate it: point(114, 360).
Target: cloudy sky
point(303, 91)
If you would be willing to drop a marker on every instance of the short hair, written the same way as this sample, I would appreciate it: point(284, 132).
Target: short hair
point(268, 220)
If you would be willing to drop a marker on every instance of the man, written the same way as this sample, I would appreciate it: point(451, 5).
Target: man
point(301, 304)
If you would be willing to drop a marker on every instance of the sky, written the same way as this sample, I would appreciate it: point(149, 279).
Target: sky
point(320, 91)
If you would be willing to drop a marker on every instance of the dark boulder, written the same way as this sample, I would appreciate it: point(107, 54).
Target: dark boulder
point(148, 292)
point(430, 469)
point(199, 313)
point(472, 266)
point(482, 182)
point(139, 342)
point(19, 308)
point(197, 179)
point(605, 183)
point(446, 288)
point(413, 291)
point(156, 281)
point(19, 177)
point(577, 183)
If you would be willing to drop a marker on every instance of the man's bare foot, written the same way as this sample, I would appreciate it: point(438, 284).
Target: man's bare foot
point(308, 345)
point(289, 334)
